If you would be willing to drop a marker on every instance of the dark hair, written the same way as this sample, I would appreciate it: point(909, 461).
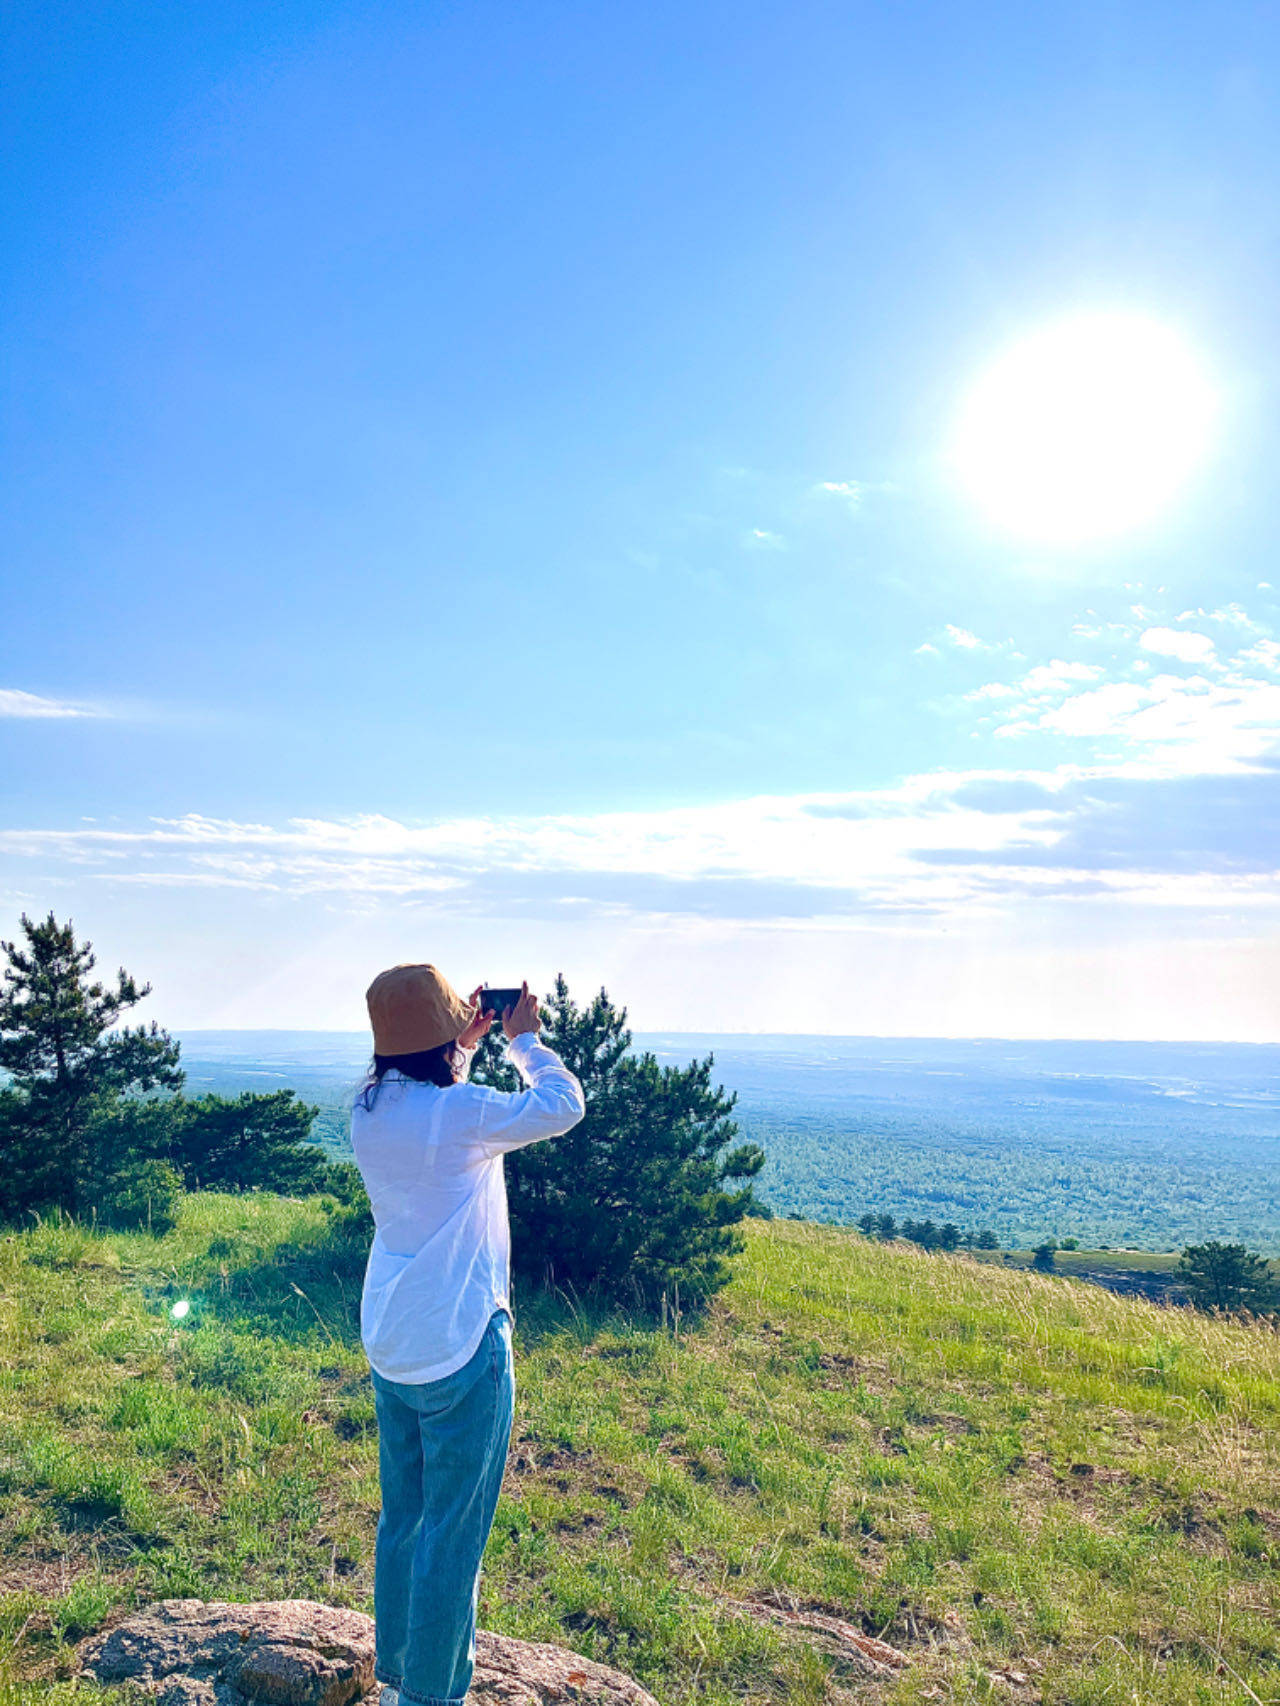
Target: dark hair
point(438, 1066)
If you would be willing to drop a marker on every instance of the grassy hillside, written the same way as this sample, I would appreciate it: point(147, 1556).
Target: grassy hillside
point(1035, 1488)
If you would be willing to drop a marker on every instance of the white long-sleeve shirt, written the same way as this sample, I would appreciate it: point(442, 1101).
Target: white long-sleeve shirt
point(431, 1160)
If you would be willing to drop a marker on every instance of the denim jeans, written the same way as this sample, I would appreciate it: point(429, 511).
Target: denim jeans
point(442, 1448)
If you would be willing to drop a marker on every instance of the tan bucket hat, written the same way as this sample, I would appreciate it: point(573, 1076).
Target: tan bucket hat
point(413, 1008)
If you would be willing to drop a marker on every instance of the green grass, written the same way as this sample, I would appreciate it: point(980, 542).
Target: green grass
point(1006, 1475)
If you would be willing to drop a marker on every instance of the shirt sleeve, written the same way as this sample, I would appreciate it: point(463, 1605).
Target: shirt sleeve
point(552, 1104)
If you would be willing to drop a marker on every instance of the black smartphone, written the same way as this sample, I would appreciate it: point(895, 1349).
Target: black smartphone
point(496, 1001)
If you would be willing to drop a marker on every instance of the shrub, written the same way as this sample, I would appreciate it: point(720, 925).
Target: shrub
point(142, 1195)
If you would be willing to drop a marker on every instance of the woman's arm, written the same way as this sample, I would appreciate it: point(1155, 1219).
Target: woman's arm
point(552, 1104)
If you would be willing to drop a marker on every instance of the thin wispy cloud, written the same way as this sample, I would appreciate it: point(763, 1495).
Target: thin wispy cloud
point(1167, 795)
point(14, 702)
point(850, 490)
point(943, 845)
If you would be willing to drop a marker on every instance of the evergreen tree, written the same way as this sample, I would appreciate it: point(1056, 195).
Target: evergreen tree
point(639, 1196)
point(67, 1060)
point(949, 1236)
point(869, 1225)
point(921, 1232)
point(985, 1240)
point(1228, 1277)
point(886, 1227)
point(247, 1142)
point(81, 1127)
point(1042, 1258)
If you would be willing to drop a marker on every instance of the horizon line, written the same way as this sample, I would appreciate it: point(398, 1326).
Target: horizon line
point(833, 1036)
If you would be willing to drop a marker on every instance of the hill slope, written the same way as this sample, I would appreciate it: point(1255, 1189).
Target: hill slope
point(1033, 1487)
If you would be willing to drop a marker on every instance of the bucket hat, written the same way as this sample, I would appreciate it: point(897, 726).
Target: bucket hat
point(413, 1008)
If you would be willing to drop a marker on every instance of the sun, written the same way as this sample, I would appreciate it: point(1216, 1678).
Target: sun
point(1085, 429)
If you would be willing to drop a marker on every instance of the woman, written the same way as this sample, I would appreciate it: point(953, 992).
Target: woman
point(436, 1313)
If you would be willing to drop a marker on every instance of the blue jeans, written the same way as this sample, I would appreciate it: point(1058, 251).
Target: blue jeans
point(442, 1448)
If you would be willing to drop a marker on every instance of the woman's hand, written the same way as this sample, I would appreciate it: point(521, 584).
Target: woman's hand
point(478, 1026)
point(523, 1017)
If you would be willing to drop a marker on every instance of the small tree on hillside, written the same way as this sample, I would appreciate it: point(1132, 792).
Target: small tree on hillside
point(66, 1059)
point(1042, 1258)
point(638, 1197)
point(1228, 1277)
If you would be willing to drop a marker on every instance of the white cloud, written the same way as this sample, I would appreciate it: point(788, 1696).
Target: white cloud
point(854, 492)
point(760, 539)
point(1265, 653)
point(1058, 675)
point(850, 490)
point(860, 848)
point(1098, 712)
point(874, 858)
point(1103, 630)
point(1233, 615)
point(1171, 724)
point(964, 640)
point(1190, 647)
point(15, 703)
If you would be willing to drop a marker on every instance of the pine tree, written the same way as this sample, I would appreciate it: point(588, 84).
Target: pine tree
point(66, 1059)
point(80, 1125)
point(1227, 1276)
point(638, 1197)
point(246, 1142)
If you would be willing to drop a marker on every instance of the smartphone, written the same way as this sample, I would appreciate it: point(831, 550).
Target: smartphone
point(496, 1001)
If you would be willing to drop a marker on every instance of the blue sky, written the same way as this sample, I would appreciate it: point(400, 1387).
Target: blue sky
point(477, 490)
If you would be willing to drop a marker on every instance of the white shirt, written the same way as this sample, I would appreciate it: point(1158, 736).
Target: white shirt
point(431, 1160)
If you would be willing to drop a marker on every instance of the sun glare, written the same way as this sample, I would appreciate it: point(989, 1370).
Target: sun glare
point(1087, 428)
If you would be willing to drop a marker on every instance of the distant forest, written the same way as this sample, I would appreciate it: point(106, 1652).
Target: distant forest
point(1107, 1160)
point(1025, 1186)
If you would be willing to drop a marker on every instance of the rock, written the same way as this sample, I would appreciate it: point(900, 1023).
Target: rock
point(834, 1636)
point(292, 1652)
point(287, 1652)
point(533, 1673)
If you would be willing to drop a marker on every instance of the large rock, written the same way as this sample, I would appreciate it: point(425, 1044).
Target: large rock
point(292, 1652)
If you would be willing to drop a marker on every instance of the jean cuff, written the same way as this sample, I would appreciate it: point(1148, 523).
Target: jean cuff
point(433, 1699)
point(389, 1678)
